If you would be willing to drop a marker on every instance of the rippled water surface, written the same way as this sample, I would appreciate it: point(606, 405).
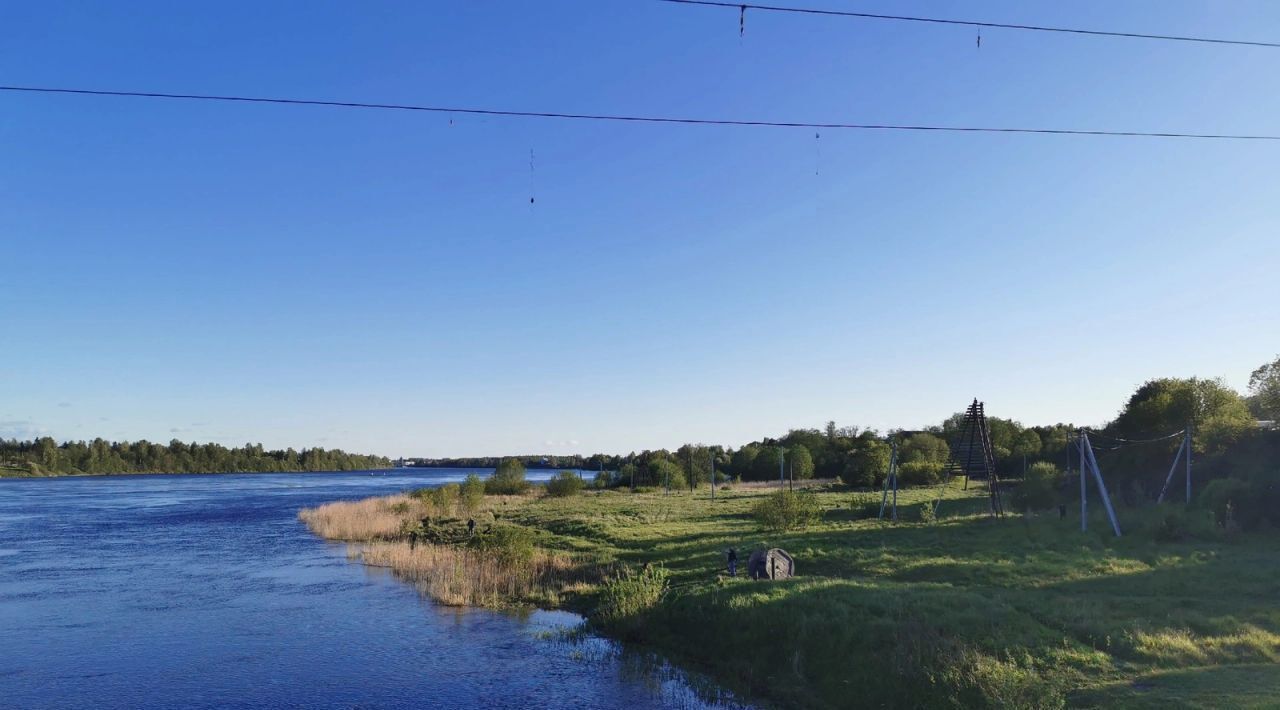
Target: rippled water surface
point(206, 591)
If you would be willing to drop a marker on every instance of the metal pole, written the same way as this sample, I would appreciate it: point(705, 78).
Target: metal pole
point(1084, 495)
point(782, 469)
point(895, 490)
point(712, 454)
point(884, 497)
point(1188, 464)
point(1102, 487)
point(1172, 469)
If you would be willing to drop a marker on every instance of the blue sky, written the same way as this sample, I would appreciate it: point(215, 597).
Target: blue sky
point(379, 281)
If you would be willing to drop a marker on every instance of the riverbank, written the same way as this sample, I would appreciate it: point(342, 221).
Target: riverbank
point(968, 611)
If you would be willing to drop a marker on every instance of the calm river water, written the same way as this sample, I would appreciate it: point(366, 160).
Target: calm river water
point(206, 591)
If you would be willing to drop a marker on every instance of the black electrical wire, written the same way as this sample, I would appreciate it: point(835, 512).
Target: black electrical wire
point(639, 118)
point(742, 8)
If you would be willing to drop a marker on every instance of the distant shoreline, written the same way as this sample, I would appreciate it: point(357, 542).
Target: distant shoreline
point(11, 473)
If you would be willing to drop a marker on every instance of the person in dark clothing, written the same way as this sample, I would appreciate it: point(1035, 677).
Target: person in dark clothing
point(471, 527)
point(733, 562)
point(413, 539)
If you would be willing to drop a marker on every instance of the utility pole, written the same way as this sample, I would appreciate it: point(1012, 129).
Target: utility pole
point(782, 467)
point(712, 455)
point(1084, 499)
point(1188, 463)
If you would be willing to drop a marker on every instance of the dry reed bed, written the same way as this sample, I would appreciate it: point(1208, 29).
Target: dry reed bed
point(455, 575)
point(364, 520)
point(462, 576)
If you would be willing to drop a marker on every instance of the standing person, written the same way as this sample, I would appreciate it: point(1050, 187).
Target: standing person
point(733, 562)
point(471, 527)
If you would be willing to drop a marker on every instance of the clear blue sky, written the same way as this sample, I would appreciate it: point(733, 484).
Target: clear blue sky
point(378, 281)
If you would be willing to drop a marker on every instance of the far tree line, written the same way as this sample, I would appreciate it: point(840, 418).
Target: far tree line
point(44, 456)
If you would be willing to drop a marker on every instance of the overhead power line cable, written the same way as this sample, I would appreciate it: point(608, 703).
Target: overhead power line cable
point(1180, 432)
point(741, 8)
point(644, 119)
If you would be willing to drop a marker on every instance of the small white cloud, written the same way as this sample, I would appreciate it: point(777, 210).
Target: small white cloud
point(21, 429)
point(64, 405)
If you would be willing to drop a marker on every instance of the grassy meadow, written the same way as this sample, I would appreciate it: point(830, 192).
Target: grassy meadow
point(964, 611)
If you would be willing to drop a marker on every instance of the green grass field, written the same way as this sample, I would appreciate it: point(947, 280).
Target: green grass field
point(967, 611)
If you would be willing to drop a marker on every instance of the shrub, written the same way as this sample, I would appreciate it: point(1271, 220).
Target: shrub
point(627, 474)
point(629, 594)
point(603, 479)
point(444, 499)
point(1039, 488)
point(507, 479)
point(787, 510)
point(919, 473)
point(665, 474)
point(1244, 498)
point(865, 505)
point(472, 493)
point(510, 543)
point(928, 513)
point(565, 484)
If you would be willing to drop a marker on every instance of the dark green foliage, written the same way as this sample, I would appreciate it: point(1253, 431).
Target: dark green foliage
point(472, 493)
point(99, 456)
point(1247, 504)
point(800, 462)
point(665, 474)
point(627, 474)
point(1039, 488)
point(919, 473)
point(1264, 390)
point(507, 479)
point(628, 595)
point(924, 448)
point(510, 543)
point(744, 461)
point(565, 484)
point(787, 510)
point(767, 465)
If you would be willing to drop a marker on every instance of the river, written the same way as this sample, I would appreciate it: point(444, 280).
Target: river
point(206, 591)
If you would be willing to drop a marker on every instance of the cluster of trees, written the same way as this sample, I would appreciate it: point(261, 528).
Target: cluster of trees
point(1229, 441)
point(46, 456)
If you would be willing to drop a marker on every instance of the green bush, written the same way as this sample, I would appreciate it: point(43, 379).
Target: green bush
point(1245, 499)
point(919, 473)
point(1039, 488)
point(510, 543)
point(865, 505)
point(665, 474)
point(472, 493)
point(603, 479)
point(565, 484)
point(787, 510)
point(507, 479)
point(628, 594)
point(445, 498)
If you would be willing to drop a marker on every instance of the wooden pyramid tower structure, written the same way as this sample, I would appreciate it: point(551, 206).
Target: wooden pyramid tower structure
point(972, 457)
